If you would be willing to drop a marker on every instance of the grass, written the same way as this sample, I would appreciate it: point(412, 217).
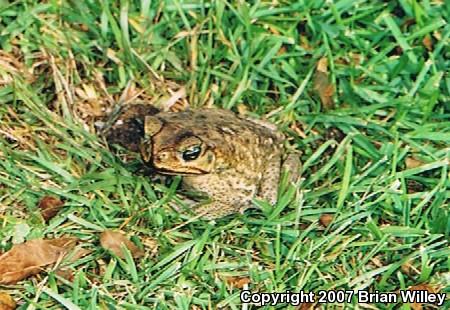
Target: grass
point(377, 160)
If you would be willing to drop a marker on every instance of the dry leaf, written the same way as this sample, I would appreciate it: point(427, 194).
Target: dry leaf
point(49, 206)
point(111, 54)
point(411, 162)
point(306, 306)
point(242, 109)
point(414, 187)
point(304, 43)
point(409, 269)
point(322, 84)
point(175, 97)
point(77, 254)
point(65, 274)
point(7, 302)
point(322, 65)
point(238, 282)
point(282, 51)
point(28, 258)
point(427, 42)
point(112, 241)
point(421, 287)
point(84, 27)
point(356, 58)
point(151, 245)
point(325, 220)
point(377, 262)
point(298, 129)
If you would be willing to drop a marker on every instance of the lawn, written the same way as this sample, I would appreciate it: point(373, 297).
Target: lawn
point(361, 89)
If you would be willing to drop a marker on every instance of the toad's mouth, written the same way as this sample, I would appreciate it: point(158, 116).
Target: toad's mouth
point(191, 171)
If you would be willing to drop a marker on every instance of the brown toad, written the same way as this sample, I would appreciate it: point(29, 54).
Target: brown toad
point(229, 158)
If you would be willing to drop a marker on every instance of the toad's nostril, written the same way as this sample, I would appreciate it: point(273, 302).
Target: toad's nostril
point(162, 156)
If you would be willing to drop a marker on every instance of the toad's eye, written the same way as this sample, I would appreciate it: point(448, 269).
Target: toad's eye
point(192, 153)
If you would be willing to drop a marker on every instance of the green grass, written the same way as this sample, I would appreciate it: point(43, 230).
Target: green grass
point(392, 103)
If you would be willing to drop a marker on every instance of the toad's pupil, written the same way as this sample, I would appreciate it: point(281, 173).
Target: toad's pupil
point(192, 153)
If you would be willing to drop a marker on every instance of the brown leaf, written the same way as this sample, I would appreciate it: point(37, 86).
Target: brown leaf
point(77, 254)
point(421, 287)
point(112, 241)
point(409, 269)
point(242, 109)
point(282, 51)
point(322, 65)
point(414, 187)
point(377, 262)
point(7, 302)
point(49, 206)
point(427, 42)
point(322, 84)
point(306, 306)
point(238, 282)
point(411, 162)
point(334, 133)
point(151, 245)
point(356, 58)
point(65, 274)
point(304, 43)
point(297, 128)
point(28, 258)
point(84, 27)
point(326, 219)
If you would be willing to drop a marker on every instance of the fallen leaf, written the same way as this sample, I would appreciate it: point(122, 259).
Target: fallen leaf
point(322, 84)
point(409, 269)
point(306, 306)
point(111, 54)
point(304, 43)
point(427, 42)
point(437, 35)
point(282, 51)
point(242, 109)
point(169, 103)
point(297, 128)
point(65, 274)
point(334, 133)
point(49, 206)
point(322, 65)
point(356, 58)
point(238, 282)
point(377, 262)
point(84, 27)
point(112, 241)
point(7, 302)
point(77, 254)
point(414, 187)
point(421, 287)
point(411, 162)
point(26, 259)
point(325, 219)
point(151, 245)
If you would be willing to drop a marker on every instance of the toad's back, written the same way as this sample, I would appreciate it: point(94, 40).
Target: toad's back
point(235, 140)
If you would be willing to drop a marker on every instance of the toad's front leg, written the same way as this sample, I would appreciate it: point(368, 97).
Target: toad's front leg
point(219, 208)
point(268, 189)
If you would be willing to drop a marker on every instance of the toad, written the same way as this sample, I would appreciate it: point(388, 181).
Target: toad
point(229, 158)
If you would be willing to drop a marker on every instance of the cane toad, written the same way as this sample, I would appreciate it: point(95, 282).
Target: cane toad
point(229, 158)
